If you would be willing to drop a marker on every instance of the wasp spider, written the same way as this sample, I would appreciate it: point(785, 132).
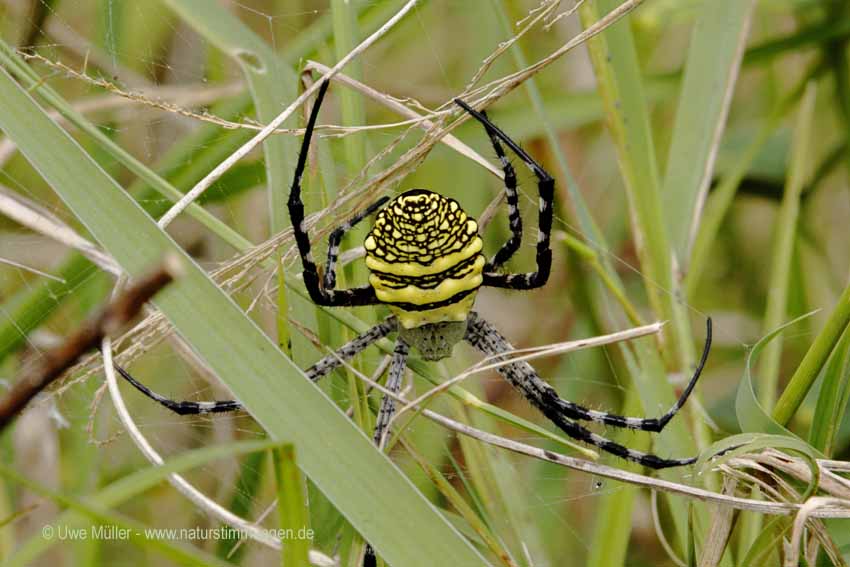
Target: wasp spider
point(424, 255)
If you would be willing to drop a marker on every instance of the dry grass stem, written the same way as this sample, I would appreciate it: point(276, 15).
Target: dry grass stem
point(246, 148)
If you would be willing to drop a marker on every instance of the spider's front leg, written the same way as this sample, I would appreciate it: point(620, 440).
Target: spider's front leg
point(546, 189)
point(513, 243)
point(322, 295)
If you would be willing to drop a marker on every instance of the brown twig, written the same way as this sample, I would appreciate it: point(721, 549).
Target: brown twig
point(112, 318)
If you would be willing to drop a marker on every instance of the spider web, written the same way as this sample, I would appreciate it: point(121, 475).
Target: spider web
point(150, 81)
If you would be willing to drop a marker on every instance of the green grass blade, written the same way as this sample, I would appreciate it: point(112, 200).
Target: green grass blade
point(28, 77)
point(130, 487)
point(714, 56)
point(784, 236)
point(722, 196)
point(613, 520)
point(618, 73)
point(367, 488)
point(272, 82)
point(832, 399)
point(242, 500)
point(291, 508)
point(806, 373)
point(273, 85)
point(617, 70)
point(182, 167)
point(752, 416)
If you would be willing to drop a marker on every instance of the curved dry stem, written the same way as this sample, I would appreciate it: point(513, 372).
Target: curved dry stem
point(30, 214)
point(202, 501)
point(807, 511)
point(246, 148)
point(415, 118)
point(659, 531)
point(167, 97)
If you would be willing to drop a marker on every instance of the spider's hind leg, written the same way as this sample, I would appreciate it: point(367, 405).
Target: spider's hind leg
point(396, 374)
point(487, 339)
point(314, 373)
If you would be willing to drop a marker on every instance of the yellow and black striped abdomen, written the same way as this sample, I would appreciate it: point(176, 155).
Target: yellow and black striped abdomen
point(424, 253)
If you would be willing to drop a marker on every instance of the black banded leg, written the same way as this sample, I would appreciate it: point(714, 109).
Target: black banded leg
point(514, 218)
point(487, 339)
point(347, 297)
point(336, 237)
point(314, 373)
point(396, 374)
point(546, 189)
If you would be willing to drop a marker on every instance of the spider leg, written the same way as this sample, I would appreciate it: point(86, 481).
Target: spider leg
point(314, 373)
point(514, 218)
point(486, 338)
point(346, 297)
point(336, 237)
point(397, 368)
point(546, 189)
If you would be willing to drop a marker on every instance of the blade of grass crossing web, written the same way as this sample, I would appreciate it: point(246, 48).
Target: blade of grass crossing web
point(273, 84)
point(363, 484)
point(617, 71)
point(784, 237)
point(613, 517)
point(185, 164)
point(714, 56)
point(33, 305)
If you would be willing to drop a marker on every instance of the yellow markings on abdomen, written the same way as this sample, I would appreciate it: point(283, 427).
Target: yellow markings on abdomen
point(424, 253)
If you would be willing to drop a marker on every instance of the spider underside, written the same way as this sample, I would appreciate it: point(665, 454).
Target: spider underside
point(426, 265)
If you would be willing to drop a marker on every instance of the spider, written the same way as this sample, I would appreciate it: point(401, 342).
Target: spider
point(425, 261)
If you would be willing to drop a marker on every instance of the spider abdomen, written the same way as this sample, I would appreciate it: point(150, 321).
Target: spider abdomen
point(424, 254)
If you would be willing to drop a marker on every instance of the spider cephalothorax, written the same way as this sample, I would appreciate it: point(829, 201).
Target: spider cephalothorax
point(424, 255)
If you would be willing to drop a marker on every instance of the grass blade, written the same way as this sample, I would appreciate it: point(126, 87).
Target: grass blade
point(381, 503)
point(291, 508)
point(129, 487)
point(832, 399)
point(714, 56)
point(812, 363)
point(783, 251)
